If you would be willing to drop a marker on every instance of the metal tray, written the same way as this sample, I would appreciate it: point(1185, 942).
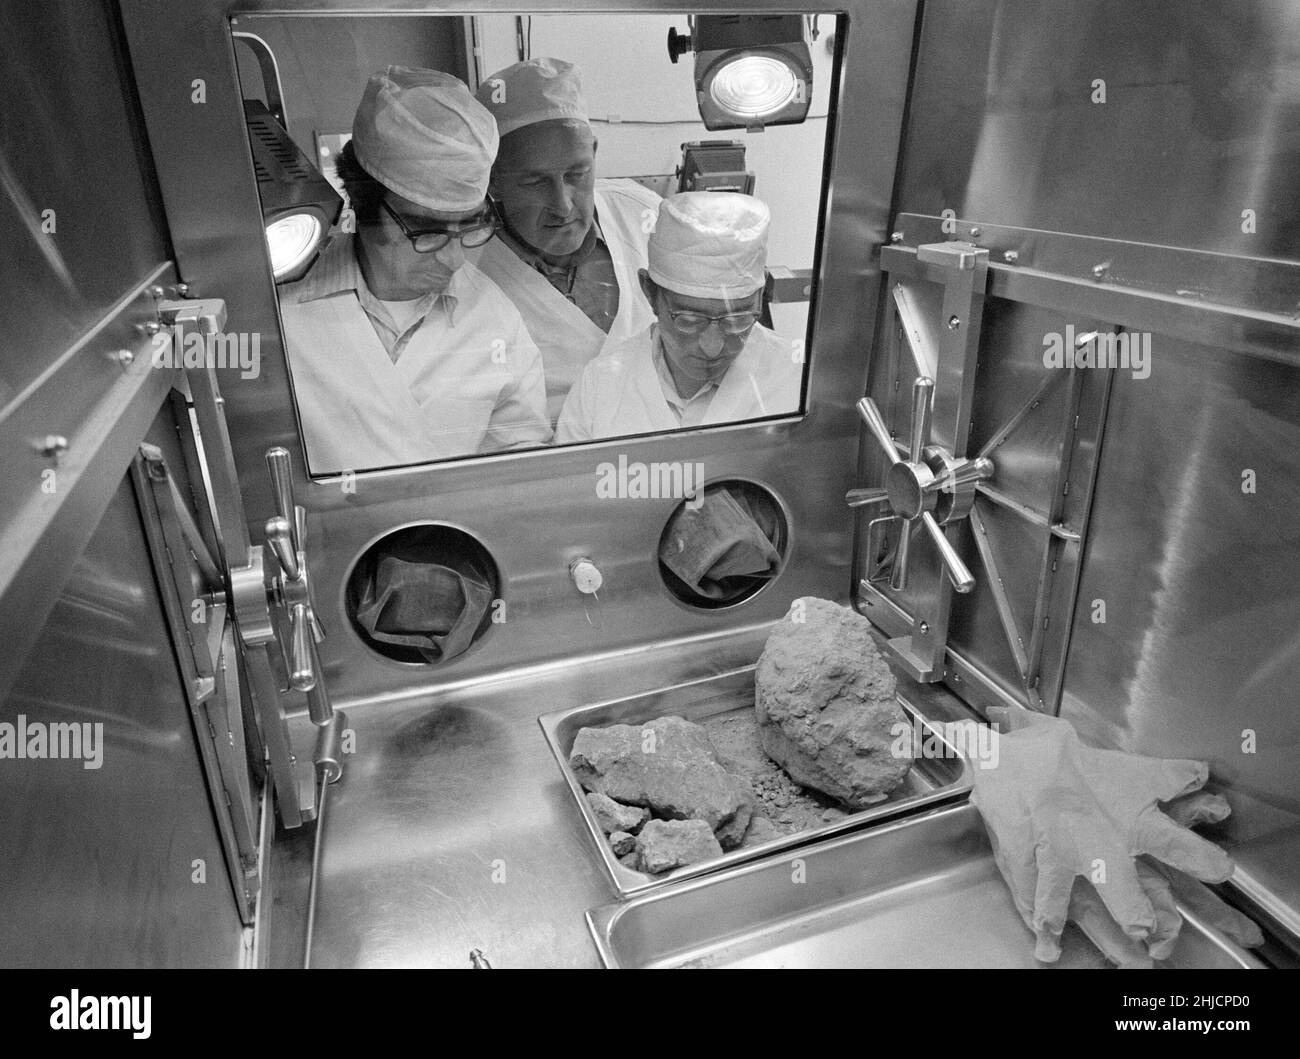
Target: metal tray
point(932, 780)
point(920, 892)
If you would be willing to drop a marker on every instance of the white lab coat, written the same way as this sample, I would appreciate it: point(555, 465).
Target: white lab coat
point(626, 212)
point(621, 391)
point(467, 381)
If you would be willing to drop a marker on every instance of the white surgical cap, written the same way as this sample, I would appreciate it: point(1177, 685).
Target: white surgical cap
point(533, 91)
point(421, 134)
point(710, 244)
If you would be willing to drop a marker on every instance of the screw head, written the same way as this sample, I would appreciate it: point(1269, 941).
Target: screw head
point(182, 290)
point(150, 327)
point(896, 237)
point(122, 356)
point(954, 322)
point(1010, 257)
point(1099, 270)
point(157, 291)
point(924, 626)
point(975, 233)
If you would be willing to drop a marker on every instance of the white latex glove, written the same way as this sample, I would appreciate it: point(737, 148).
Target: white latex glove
point(1056, 809)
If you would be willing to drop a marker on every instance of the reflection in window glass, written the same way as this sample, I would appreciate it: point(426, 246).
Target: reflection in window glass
point(549, 247)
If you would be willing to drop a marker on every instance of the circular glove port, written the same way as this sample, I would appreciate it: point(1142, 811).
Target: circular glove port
point(724, 549)
point(422, 594)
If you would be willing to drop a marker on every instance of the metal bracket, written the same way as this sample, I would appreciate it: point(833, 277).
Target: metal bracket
point(932, 485)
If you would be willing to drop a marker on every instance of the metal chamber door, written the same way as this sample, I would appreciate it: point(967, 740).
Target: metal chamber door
point(969, 546)
point(252, 604)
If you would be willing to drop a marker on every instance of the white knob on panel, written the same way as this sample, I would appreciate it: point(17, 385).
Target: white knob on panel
point(585, 576)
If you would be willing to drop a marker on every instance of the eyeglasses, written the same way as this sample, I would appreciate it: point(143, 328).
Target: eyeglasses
point(688, 322)
point(477, 231)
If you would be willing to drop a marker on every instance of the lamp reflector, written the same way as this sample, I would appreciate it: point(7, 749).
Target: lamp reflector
point(755, 86)
point(292, 238)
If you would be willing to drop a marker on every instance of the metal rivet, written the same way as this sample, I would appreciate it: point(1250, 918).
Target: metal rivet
point(1099, 270)
point(157, 291)
point(954, 322)
point(896, 237)
point(122, 356)
point(924, 626)
point(975, 233)
point(54, 445)
point(150, 327)
point(182, 290)
point(1010, 257)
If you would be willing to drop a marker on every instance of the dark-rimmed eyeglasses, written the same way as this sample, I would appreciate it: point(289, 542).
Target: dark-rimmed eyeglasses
point(689, 322)
point(476, 231)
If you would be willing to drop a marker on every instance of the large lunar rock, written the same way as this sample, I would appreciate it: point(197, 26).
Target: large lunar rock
point(667, 766)
point(825, 704)
point(664, 845)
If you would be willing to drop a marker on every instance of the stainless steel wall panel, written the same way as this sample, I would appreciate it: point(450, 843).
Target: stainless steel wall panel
point(99, 865)
point(71, 142)
point(61, 450)
point(1200, 579)
point(1201, 119)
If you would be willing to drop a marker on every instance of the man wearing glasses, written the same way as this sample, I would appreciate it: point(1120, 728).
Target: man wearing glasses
point(706, 359)
point(401, 351)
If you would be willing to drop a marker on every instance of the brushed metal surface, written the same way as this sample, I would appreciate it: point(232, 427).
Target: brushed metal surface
point(101, 865)
point(80, 220)
point(931, 780)
point(453, 829)
point(1199, 579)
point(535, 512)
point(1198, 123)
point(50, 505)
point(922, 892)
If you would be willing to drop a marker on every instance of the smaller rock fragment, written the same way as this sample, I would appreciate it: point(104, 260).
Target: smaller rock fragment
point(761, 830)
point(622, 843)
point(615, 816)
point(664, 845)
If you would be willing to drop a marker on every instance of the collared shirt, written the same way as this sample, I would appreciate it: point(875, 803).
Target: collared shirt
point(461, 377)
point(626, 391)
point(587, 277)
point(690, 411)
point(337, 271)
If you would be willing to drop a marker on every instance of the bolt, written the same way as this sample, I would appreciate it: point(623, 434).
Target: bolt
point(53, 445)
point(954, 322)
point(896, 237)
point(123, 356)
point(1010, 257)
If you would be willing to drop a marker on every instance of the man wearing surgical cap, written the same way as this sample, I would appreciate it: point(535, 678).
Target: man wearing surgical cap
point(706, 358)
point(401, 351)
point(571, 245)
